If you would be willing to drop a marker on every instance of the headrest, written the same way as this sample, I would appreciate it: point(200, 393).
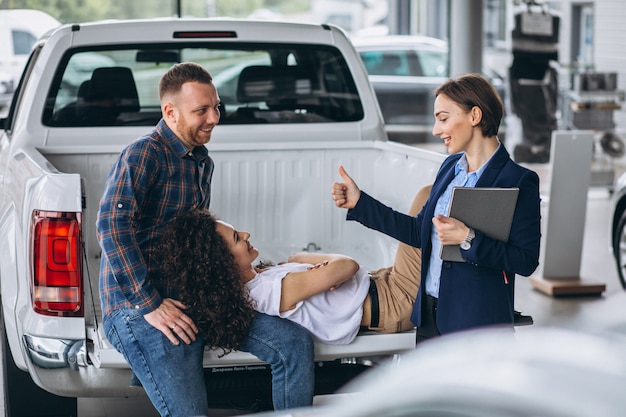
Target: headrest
point(84, 89)
point(116, 84)
point(261, 83)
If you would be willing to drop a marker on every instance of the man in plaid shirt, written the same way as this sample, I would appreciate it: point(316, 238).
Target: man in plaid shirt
point(156, 178)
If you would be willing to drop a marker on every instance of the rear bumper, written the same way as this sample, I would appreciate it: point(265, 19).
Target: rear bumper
point(65, 367)
point(62, 367)
point(48, 353)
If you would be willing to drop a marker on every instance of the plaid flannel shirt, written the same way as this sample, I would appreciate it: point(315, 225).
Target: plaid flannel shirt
point(153, 180)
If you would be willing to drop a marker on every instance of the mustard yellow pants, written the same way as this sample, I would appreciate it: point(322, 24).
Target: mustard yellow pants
point(397, 285)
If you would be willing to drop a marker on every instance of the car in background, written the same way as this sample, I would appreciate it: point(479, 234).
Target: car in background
point(19, 30)
point(618, 226)
point(404, 71)
point(6, 90)
point(540, 371)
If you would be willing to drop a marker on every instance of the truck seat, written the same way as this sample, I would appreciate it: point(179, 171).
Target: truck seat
point(263, 89)
point(263, 83)
point(110, 92)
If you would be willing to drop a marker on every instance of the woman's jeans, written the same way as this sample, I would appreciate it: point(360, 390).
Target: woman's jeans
point(173, 378)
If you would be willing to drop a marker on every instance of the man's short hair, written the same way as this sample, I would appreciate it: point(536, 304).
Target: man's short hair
point(181, 73)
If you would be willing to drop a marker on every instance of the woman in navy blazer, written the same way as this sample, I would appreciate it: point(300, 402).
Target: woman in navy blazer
point(480, 291)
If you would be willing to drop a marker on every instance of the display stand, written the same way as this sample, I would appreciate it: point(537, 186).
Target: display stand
point(570, 160)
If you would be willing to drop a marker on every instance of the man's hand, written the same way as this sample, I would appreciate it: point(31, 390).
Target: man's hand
point(345, 194)
point(170, 319)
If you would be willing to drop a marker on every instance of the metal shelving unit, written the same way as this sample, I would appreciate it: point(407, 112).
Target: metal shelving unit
point(588, 107)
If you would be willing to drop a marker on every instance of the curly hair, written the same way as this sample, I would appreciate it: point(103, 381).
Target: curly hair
point(196, 261)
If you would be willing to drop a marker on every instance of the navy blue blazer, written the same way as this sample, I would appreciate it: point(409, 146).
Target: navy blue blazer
point(480, 291)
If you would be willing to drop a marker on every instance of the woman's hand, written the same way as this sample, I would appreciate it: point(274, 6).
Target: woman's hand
point(317, 259)
point(316, 266)
point(345, 194)
point(450, 231)
point(326, 272)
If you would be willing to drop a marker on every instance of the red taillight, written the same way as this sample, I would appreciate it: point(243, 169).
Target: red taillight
point(57, 266)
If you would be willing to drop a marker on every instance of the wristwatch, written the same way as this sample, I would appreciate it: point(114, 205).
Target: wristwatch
point(467, 243)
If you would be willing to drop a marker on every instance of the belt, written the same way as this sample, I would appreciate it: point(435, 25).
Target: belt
point(375, 313)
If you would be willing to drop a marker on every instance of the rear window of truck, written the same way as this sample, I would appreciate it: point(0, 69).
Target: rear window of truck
point(257, 83)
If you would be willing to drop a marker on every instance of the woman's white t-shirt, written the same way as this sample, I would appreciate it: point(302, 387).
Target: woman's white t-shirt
point(332, 317)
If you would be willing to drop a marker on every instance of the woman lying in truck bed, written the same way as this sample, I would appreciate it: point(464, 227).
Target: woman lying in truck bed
point(329, 294)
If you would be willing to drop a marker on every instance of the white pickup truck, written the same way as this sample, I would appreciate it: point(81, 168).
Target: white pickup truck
point(297, 104)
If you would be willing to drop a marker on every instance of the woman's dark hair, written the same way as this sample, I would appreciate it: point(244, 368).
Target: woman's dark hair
point(471, 90)
point(196, 262)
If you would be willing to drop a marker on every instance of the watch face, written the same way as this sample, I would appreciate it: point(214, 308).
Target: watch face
point(465, 245)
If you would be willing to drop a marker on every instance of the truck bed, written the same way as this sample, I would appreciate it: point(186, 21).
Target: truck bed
point(249, 187)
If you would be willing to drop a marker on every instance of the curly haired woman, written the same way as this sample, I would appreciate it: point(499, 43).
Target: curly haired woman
point(329, 294)
point(203, 271)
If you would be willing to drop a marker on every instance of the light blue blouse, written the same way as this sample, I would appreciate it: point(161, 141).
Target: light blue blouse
point(462, 178)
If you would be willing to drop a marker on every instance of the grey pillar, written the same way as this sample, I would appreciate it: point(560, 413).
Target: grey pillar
point(466, 36)
point(436, 21)
point(400, 15)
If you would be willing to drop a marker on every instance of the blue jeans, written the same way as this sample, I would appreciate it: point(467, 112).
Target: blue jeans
point(173, 378)
point(288, 348)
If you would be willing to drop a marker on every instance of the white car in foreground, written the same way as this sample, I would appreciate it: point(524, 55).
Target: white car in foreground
point(538, 372)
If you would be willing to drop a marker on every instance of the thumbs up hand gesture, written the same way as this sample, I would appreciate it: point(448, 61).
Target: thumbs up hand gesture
point(346, 193)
